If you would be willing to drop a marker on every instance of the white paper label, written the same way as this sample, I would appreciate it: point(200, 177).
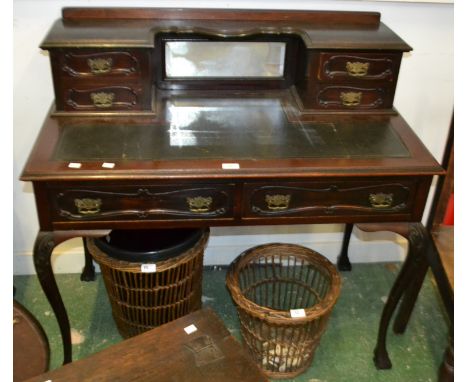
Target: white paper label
point(190, 329)
point(108, 165)
point(148, 268)
point(297, 313)
point(230, 166)
point(74, 165)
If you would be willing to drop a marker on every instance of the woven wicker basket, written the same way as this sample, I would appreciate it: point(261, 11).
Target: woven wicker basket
point(141, 301)
point(266, 282)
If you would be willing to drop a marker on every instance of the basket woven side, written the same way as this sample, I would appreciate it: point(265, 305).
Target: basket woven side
point(266, 282)
point(263, 253)
point(141, 301)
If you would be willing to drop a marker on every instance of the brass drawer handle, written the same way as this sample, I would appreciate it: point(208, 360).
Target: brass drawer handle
point(357, 69)
point(199, 204)
point(100, 65)
point(351, 98)
point(102, 99)
point(381, 200)
point(278, 202)
point(88, 206)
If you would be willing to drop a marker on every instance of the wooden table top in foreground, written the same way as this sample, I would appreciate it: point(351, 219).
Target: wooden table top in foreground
point(167, 353)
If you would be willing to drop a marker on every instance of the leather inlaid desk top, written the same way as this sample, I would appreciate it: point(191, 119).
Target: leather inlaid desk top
point(194, 136)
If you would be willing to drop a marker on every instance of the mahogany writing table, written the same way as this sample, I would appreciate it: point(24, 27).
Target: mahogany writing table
point(127, 145)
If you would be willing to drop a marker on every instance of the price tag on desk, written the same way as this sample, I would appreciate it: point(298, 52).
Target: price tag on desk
point(230, 166)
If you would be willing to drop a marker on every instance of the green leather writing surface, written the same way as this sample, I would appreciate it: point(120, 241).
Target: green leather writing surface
point(238, 129)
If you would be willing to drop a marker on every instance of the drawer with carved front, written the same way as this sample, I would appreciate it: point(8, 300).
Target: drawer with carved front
point(100, 64)
point(108, 98)
point(141, 202)
point(352, 97)
point(101, 80)
point(357, 66)
point(329, 198)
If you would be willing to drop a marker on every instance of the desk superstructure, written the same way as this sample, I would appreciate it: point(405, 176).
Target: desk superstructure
point(310, 136)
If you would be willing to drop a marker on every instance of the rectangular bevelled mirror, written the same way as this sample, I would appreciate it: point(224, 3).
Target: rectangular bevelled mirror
point(224, 59)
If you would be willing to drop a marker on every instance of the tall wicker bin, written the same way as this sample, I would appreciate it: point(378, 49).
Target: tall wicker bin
point(147, 288)
point(284, 294)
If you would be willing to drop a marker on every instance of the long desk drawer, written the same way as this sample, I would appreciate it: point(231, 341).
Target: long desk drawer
point(168, 202)
point(329, 198)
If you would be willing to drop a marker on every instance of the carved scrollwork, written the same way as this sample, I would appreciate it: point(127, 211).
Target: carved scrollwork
point(43, 248)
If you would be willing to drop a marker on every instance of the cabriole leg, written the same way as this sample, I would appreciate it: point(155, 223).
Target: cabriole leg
point(45, 243)
point(418, 240)
point(343, 259)
point(43, 247)
point(88, 273)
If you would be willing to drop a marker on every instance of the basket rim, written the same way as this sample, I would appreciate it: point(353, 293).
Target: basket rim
point(282, 316)
point(103, 258)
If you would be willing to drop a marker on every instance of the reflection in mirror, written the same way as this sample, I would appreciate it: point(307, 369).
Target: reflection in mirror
point(207, 122)
point(232, 59)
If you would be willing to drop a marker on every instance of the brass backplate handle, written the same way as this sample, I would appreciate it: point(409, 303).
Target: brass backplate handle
point(199, 204)
point(357, 69)
point(102, 99)
point(351, 98)
point(381, 200)
point(278, 202)
point(88, 206)
point(100, 65)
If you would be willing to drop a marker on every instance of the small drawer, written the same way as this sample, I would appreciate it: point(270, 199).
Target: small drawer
point(351, 97)
point(107, 98)
point(96, 64)
point(141, 202)
point(358, 66)
point(338, 198)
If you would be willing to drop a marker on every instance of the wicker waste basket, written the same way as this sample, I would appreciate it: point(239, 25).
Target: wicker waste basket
point(151, 276)
point(284, 294)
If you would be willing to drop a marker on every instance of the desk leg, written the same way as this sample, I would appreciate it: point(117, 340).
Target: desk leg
point(45, 243)
point(408, 300)
point(417, 237)
point(343, 259)
point(43, 247)
point(88, 273)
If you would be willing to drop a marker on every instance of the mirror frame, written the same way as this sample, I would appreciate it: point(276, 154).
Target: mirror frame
point(294, 47)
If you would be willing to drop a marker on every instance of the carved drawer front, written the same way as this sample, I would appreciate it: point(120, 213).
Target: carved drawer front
point(358, 66)
point(350, 97)
point(106, 98)
point(329, 198)
point(97, 64)
point(145, 202)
